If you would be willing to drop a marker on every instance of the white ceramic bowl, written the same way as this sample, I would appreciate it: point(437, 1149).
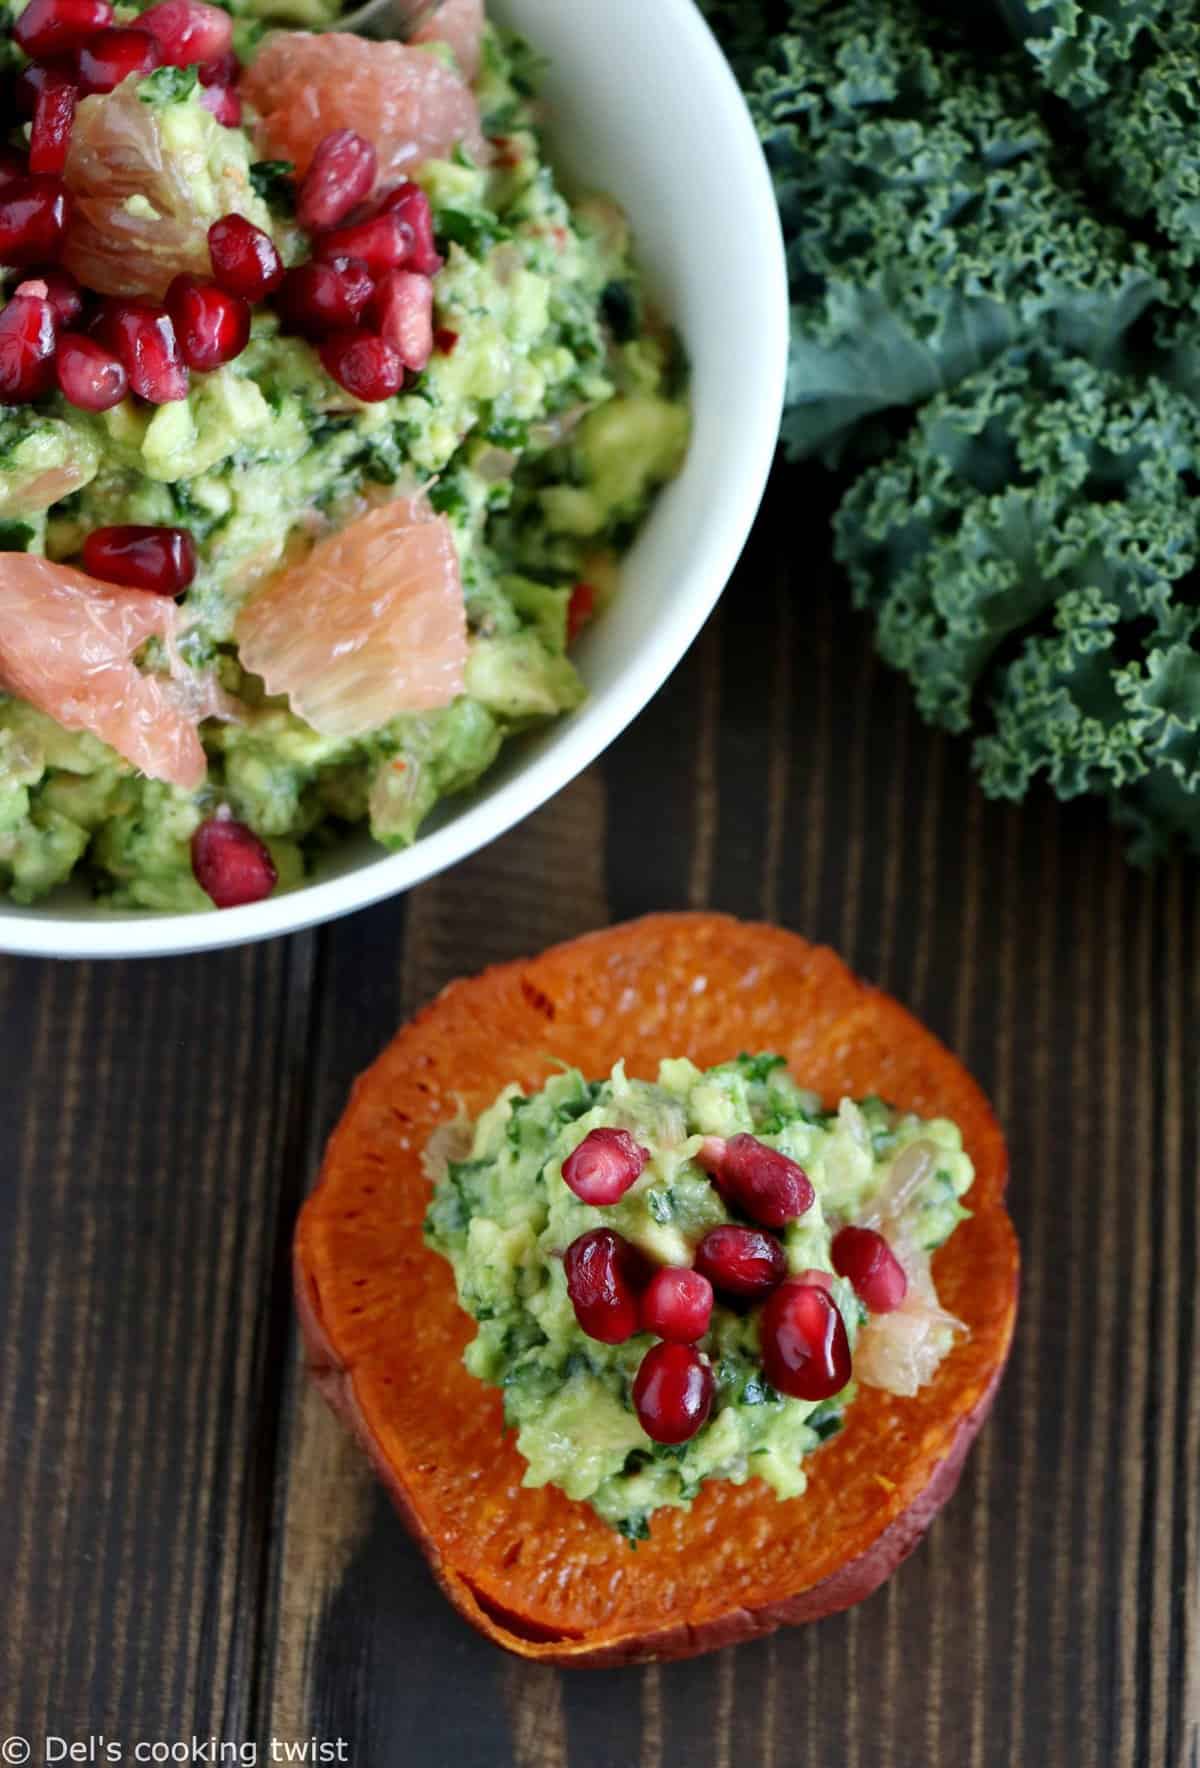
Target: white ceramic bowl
point(642, 105)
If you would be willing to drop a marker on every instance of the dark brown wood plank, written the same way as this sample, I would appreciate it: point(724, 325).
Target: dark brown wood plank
point(142, 1190)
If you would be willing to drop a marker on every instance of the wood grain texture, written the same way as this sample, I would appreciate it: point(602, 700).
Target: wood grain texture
point(186, 1542)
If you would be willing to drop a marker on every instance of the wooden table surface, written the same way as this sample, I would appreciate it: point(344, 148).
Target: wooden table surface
point(189, 1546)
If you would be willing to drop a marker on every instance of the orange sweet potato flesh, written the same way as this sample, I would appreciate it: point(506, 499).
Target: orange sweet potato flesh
point(536, 1572)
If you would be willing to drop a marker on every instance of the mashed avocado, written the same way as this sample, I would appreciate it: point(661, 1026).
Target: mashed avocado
point(548, 416)
point(503, 1216)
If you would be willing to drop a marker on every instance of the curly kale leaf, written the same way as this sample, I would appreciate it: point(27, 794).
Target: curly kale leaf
point(1082, 46)
point(1144, 140)
point(1030, 555)
point(928, 227)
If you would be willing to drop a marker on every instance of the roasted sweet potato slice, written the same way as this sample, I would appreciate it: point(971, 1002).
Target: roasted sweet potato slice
point(533, 1570)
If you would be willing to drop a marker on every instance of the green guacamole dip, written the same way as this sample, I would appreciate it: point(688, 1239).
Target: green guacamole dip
point(549, 414)
point(503, 1216)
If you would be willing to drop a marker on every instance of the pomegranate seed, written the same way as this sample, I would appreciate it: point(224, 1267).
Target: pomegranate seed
point(866, 1260)
point(403, 311)
point(677, 1305)
point(381, 241)
point(53, 115)
point(33, 215)
point(12, 165)
point(741, 1261)
point(604, 1165)
point(26, 349)
point(48, 27)
point(224, 104)
point(211, 326)
point(444, 340)
point(412, 205)
point(770, 1188)
point(365, 365)
point(113, 57)
point(244, 258)
point(64, 295)
point(805, 1351)
point(340, 174)
point(161, 560)
point(580, 609)
point(601, 1270)
point(89, 376)
point(142, 335)
point(673, 1392)
point(222, 70)
point(231, 864)
point(188, 31)
point(317, 298)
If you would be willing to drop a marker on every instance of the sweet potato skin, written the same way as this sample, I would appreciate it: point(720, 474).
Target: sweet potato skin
point(379, 1316)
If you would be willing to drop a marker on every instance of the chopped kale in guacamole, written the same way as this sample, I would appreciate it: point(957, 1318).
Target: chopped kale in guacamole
point(548, 415)
point(504, 1216)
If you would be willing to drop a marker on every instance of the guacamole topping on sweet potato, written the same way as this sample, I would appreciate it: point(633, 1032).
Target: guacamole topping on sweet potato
point(685, 1280)
point(375, 417)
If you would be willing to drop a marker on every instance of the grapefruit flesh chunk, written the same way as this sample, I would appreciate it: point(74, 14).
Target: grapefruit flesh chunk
point(369, 625)
point(460, 24)
point(407, 102)
point(67, 644)
point(118, 152)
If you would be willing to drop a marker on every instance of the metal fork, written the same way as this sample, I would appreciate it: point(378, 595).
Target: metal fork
point(387, 18)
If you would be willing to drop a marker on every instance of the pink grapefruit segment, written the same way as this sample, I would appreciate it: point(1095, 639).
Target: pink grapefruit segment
point(460, 24)
point(407, 102)
point(67, 644)
point(117, 153)
point(371, 624)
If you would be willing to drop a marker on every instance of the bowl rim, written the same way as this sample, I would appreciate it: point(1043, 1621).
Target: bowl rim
point(580, 738)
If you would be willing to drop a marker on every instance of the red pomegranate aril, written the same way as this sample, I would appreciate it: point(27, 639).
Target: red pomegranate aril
point(49, 27)
point(340, 175)
point(53, 116)
point(580, 609)
point(805, 1350)
point(114, 56)
point(90, 376)
point(211, 325)
point(741, 1261)
point(64, 295)
point(363, 364)
point(412, 205)
point(444, 340)
point(868, 1263)
point(382, 242)
point(142, 335)
point(222, 70)
point(12, 165)
point(244, 258)
point(771, 1189)
point(223, 103)
point(604, 1165)
point(231, 864)
point(317, 298)
point(33, 216)
point(29, 83)
point(402, 311)
point(677, 1305)
point(188, 31)
point(161, 560)
point(673, 1393)
point(26, 349)
point(601, 1270)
